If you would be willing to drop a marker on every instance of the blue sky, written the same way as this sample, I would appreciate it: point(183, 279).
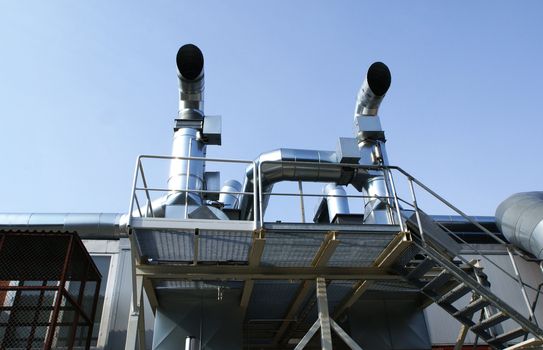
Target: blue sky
point(87, 86)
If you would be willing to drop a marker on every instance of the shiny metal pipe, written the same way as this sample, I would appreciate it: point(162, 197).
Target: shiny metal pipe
point(372, 141)
point(230, 200)
point(188, 174)
point(87, 225)
point(300, 165)
point(520, 219)
point(336, 205)
point(373, 90)
point(190, 71)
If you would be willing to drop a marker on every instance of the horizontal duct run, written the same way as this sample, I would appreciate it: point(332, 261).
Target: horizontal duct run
point(87, 225)
point(286, 164)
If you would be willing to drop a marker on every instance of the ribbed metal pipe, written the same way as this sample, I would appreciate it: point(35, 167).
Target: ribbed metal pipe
point(520, 219)
point(87, 225)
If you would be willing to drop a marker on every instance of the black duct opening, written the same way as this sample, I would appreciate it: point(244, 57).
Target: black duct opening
point(379, 78)
point(190, 61)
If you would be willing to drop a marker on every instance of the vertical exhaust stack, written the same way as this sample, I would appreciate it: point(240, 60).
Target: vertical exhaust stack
point(188, 139)
point(371, 138)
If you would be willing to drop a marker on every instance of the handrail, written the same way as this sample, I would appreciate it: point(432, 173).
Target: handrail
point(392, 199)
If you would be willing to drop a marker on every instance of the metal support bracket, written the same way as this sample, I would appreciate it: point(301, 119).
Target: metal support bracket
point(325, 323)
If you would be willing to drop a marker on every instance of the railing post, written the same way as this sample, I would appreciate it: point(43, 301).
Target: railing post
point(302, 208)
point(396, 202)
point(187, 175)
point(260, 210)
point(415, 205)
point(133, 196)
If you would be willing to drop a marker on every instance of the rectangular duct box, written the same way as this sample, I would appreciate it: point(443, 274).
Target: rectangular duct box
point(212, 129)
point(347, 150)
point(369, 128)
point(212, 181)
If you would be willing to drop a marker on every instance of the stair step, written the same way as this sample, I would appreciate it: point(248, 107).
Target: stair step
point(438, 282)
point(472, 307)
point(490, 321)
point(419, 271)
point(503, 338)
point(455, 294)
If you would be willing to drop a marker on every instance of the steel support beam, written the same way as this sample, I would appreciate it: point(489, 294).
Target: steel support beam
point(307, 337)
point(257, 248)
point(135, 333)
point(324, 316)
point(243, 273)
point(320, 259)
point(325, 323)
point(398, 245)
point(344, 336)
point(151, 295)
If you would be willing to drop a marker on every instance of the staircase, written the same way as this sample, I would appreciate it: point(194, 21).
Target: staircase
point(435, 253)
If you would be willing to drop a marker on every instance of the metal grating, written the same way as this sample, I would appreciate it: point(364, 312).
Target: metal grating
point(49, 290)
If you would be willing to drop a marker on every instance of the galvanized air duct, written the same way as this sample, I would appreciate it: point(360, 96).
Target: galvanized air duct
point(371, 139)
point(297, 165)
point(373, 89)
point(230, 200)
point(184, 174)
point(88, 226)
point(520, 219)
point(336, 200)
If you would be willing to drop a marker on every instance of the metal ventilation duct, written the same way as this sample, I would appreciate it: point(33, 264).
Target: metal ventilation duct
point(184, 174)
point(297, 165)
point(373, 89)
point(88, 226)
point(520, 219)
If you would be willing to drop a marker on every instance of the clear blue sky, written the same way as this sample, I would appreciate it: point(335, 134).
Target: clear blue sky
point(87, 86)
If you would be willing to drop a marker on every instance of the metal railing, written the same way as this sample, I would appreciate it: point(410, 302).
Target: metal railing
point(135, 206)
point(392, 200)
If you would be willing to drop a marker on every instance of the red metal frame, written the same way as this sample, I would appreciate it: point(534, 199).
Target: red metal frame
point(38, 274)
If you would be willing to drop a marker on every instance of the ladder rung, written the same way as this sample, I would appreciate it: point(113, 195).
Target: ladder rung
point(438, 282)
point(490, 321)
point(454, 294)
point(472, 307)
point(419, 271)
point(503, 338)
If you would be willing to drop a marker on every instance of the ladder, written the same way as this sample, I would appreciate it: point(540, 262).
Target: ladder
point(434, 251)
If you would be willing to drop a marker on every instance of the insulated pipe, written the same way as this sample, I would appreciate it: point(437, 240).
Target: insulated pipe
point(373, 90)
point(88, 226)
point(188, 174)
point(303, 165)
point(520, 219)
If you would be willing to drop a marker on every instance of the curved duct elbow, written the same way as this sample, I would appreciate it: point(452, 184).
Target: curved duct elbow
point(291, 165)
point(190, 71)
point(373, 90)
point(520, 219)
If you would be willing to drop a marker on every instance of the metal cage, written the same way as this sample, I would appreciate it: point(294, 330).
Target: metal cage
point(49, 288)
